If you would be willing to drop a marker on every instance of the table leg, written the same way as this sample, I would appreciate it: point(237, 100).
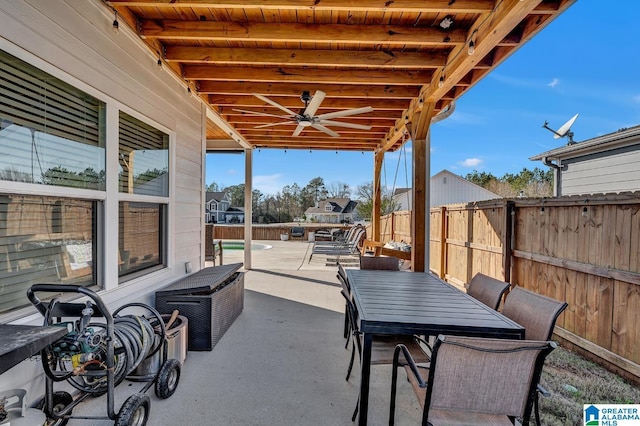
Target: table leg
point(365, 364)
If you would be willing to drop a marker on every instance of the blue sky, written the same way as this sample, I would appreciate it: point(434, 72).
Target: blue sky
point(585, 62)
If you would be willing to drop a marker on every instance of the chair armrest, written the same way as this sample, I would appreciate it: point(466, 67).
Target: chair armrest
point(420, 340)
point(402, 349)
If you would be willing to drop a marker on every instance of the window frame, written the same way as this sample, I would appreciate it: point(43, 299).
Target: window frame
point(106, 256)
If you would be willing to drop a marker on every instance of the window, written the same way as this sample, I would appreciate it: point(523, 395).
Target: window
point(44, 240)
point(141, 239)
point(328, 207)
point(144, 175)
point(51, 134)
point(144, 158)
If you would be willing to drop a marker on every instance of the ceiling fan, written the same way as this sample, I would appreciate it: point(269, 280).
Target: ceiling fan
point(307, 118)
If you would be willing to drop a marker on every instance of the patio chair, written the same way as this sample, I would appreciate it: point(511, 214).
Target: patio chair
point(297, 232)
point(346, 288)
point(538, 315)
point(487, 290)
point(475, 381)
point(381, 263)
point(383, 346)
point(535, 312)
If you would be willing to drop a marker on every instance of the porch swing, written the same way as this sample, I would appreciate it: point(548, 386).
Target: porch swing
point(382, 248)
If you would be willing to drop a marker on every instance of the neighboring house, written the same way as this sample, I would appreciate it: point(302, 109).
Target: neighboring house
point(234, 215)
point(216, 206)
point(605, 164)
point(333, 210)
point(446, 188)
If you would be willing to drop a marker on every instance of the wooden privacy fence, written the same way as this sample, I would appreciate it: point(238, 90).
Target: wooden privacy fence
point(583, 250)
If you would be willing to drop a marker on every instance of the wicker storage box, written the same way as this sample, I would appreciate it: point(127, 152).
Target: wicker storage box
point(211, 299)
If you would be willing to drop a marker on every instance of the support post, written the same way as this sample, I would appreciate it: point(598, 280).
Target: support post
point(377, 196)
point(248, 206)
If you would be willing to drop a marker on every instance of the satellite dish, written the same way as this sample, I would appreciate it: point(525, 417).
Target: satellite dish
point(563, 131)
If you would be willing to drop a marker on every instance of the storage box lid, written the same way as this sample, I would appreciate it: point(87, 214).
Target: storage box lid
point(204, 280)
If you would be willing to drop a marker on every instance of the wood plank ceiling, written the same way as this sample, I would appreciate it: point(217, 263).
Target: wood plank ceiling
point(395, 56)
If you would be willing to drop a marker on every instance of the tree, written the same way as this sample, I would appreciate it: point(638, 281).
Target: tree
point(236, 194)
point(213, 187)
point(338, 190)
point(483, 179)
point(88, 178)
point(364, 195)
point(530, 183)
point(314, 191)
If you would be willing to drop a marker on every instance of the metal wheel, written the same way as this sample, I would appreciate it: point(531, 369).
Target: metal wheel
point(168, 378)
point(134, 411)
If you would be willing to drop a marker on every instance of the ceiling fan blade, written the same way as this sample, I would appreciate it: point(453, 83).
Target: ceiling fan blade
point(262, 114)
point(325, 129)
point(342, 124)
point(345, 113)
point(313, 106)
point(274, 124)
point(298, 130)
point(275, 104)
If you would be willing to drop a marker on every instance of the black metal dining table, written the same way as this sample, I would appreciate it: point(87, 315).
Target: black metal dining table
point(407, 303)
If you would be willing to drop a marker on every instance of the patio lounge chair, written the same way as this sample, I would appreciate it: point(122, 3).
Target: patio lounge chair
point(340, 248)
point(475, 381)
point(339, 239)
point(487, 290)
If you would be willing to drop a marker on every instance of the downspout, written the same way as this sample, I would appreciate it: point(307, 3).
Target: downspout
point(556, 175)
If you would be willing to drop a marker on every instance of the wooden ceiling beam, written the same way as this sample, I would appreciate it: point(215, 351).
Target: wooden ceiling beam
point(352, 134)
point(383, 116)
point(295, 89)
point(489, 30)
point(305, 75)
point(241, 124)
point(295, 33)
point(417, 6)
point(305, 57)
point(313, 147)
point(377, 118)
point(293, 102)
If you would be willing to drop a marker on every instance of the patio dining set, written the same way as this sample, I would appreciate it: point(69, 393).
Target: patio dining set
point(471, 358)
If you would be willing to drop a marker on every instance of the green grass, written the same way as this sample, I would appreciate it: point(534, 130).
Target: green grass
point(574, 381)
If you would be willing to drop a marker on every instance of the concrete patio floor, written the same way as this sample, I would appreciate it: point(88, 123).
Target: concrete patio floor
point(282, 362)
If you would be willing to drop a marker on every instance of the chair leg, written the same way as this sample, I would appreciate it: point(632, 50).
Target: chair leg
point(355, 412)
point(536, 409)
point(353, 353)
point(392, 404)
point(347, 325)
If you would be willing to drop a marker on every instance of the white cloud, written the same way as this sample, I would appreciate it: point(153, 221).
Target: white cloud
point(232, 172)
point(471, 162)
point(636, 99)
point(268, 184)
point(553, 83)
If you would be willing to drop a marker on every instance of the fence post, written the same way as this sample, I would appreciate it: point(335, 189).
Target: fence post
point(509, 213)
point(443, 241)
